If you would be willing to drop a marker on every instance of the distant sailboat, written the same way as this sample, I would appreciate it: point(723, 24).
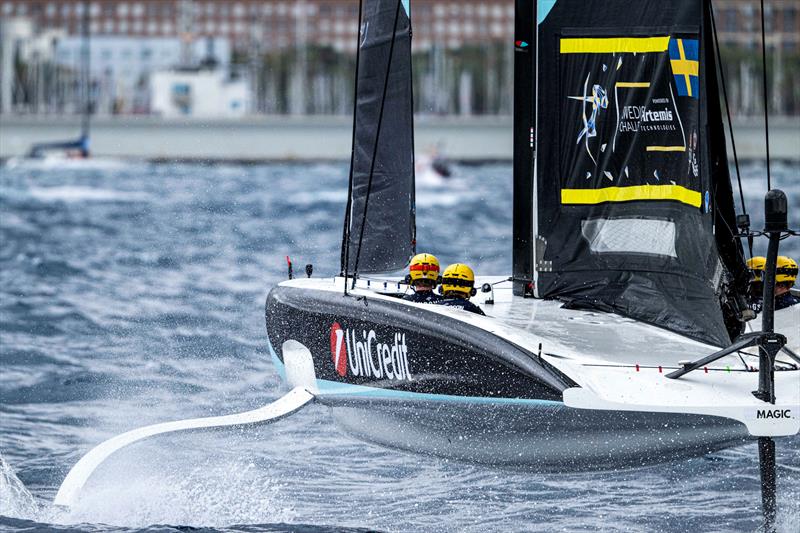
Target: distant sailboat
point(77, 147)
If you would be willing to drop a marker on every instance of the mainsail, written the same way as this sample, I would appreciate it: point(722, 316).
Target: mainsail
point(635, 210)
point(379, 233)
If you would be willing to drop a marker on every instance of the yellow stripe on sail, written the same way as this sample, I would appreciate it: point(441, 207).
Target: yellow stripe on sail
point(666, 148)
point(632, 84)
point(630, 194)
point(609, 45)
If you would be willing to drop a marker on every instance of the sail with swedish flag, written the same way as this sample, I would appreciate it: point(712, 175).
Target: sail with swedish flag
point(684, 55)
point(633, 193)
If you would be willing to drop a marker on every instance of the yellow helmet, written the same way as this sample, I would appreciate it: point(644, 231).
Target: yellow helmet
point(459, 278)
point(786, 271)
point(756, 267)
point(424, 267)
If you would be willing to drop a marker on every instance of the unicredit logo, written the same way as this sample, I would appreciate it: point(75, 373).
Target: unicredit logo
point(365, 355)
point(338, 349)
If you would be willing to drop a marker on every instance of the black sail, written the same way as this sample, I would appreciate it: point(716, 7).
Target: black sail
point(382, 169)
point(635, 208)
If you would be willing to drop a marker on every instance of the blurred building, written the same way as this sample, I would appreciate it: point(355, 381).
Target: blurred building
point(739, 23)
point(297, 55)
point(197, 93)
point(274, 24)
point(122, 65)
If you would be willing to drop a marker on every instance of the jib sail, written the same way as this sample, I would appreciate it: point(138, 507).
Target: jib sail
point(379, 233)
point(635, 208)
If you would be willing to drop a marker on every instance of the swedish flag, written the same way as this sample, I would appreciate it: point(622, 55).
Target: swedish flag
point(684, 56)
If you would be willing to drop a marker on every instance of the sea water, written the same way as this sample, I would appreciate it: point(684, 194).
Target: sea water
point(133, 293)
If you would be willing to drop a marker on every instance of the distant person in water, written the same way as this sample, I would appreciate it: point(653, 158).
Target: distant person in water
point(755, 290)
point(458, 285)
point(785, 277)
point(423, 276)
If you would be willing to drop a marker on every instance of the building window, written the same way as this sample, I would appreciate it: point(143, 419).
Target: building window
point(790, 20)
point(122, 9)
point(182, 97)
point(108, 26)
point(138, 9)
point(146, 54)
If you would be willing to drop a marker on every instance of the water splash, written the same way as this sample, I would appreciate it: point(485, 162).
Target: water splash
point(16, 501)
point(210, 493)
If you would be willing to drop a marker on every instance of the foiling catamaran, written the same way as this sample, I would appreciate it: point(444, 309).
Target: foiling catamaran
point(617, 341)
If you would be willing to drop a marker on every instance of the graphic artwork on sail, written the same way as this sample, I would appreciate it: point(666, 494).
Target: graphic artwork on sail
point(633, 195)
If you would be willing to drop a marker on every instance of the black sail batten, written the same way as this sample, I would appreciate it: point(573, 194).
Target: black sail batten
point(632, 179)
point(382, 170)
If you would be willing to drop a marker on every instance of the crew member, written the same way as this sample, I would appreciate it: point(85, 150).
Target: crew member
point(423, 275)
point(458, 284)
point(755, 290)
point(785, 276)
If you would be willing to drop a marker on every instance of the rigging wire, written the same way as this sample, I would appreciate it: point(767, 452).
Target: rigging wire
point(727, 107)
point(377, 138)
point(345, 259)
point(764, 77)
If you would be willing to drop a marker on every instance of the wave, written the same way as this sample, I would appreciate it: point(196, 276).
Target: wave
point(78, 193)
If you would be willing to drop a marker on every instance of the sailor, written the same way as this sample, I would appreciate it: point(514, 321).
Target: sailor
point(423, 275)
point(458, 285)
point(785, 276)
point(755, 289)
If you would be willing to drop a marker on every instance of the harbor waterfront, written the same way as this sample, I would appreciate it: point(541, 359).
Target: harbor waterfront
point(280, 138)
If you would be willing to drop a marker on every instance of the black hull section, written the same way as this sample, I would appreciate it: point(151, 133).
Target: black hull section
point(392, 345)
